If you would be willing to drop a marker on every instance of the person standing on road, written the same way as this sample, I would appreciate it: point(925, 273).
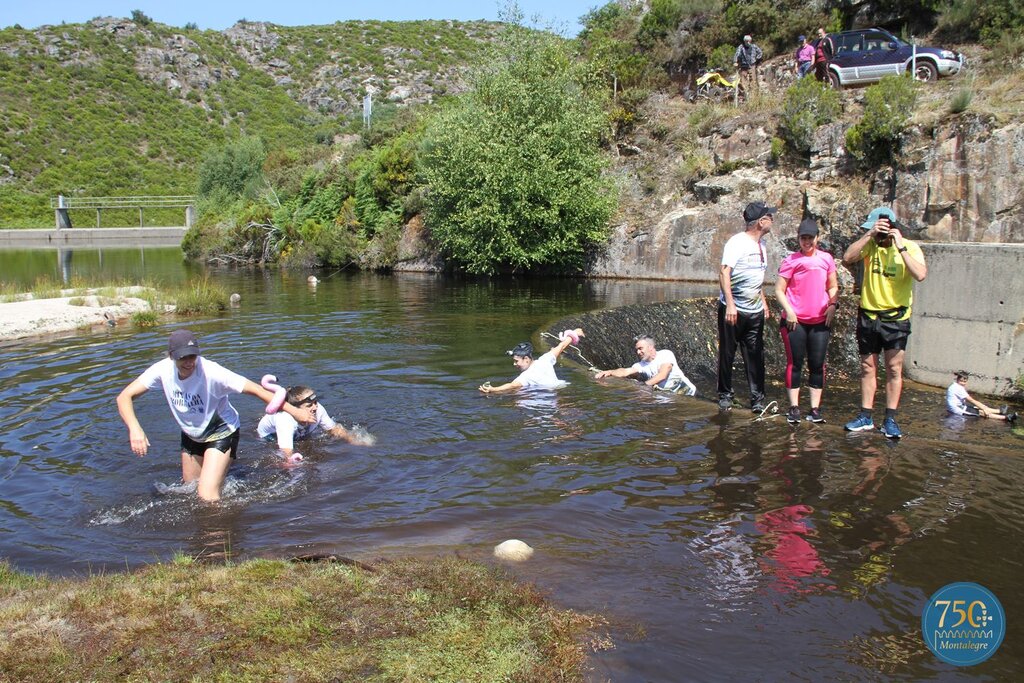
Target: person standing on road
point(742, 308)
point(891, 266)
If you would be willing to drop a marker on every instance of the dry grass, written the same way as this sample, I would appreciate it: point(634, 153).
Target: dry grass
point(439, 620)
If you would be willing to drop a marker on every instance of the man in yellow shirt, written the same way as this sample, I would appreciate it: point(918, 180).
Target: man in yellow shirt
point(891, 266)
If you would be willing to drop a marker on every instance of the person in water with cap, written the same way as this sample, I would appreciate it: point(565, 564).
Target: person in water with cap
point(286, 430)
point(656, 368)
point(891, 266)
point(197, 391)
point(807, 288)
point(534, 373)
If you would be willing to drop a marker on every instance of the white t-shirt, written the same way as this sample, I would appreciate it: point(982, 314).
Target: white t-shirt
point(541, 373)
point(748, 260)
point(288, 430)
point(956, 398)
point(649, 369)
point(195, 401)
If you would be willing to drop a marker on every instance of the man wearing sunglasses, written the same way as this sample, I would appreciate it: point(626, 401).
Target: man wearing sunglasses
point(742, 308)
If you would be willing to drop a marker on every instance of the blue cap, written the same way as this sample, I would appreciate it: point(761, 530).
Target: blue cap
point(876, 213)
point(802, 38)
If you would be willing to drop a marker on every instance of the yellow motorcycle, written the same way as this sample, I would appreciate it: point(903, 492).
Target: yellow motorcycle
point(714, 87)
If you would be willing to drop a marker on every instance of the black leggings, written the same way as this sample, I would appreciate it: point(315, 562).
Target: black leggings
point(810, 342)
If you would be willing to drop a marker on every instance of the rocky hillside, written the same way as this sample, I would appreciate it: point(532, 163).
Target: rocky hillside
point(688, 169)
point(116, 106)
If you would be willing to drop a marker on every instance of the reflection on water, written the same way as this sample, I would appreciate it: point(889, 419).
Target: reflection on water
point(22, 267)
point(722, 548)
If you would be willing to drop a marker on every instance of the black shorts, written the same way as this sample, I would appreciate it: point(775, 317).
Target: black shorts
point(228, 444)
point(877, 335)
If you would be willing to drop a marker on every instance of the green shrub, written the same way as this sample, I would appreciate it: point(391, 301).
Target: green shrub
point(806, 105)
point(200, 297)
point(232, 171)
point(989, 20)
point(721, 58)
point(961, 100)
point(1008, 48)
point(514, 166)
point(888, 106)
point(145, 318)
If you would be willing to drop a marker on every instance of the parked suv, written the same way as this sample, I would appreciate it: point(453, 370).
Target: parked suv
point(868, 55)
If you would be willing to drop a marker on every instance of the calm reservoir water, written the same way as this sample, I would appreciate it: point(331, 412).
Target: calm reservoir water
point(720, 549)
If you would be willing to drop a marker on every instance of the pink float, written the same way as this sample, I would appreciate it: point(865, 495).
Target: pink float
point(571, 334)
point(280, 393)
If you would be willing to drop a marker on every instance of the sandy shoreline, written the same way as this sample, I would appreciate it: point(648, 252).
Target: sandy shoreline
point(41, 317)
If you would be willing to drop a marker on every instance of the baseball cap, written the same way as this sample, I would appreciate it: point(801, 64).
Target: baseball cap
point(182, 343)
point(807, 227)
point(876, 213)
point(756, 210)
point(522, 349)
point(802, 38)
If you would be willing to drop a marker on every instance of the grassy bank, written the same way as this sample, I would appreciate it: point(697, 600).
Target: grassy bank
point(411, 620)
point(197, 297)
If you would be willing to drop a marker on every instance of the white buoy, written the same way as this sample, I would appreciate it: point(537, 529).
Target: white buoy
point(312, 280)
point(513, 550)
point(236, 299)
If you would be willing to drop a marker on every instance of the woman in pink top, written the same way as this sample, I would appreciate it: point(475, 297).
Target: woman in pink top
point(806, 288)
point(804, 57)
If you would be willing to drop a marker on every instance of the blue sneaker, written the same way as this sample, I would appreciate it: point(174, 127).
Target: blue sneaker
point(860, 423)
point(890, 429)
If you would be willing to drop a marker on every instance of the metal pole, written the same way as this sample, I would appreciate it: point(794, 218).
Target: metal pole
point(141, 224)
point(98, 217)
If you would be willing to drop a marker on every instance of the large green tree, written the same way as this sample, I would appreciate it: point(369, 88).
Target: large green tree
point(514, 166)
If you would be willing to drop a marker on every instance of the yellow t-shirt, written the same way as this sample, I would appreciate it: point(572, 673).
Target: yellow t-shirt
point(887, 283)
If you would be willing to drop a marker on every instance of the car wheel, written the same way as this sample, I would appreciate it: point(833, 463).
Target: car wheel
point(833, 81)
point(925, 71)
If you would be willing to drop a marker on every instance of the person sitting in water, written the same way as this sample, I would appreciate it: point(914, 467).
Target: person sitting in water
point(657, 368)
point(197, 392)
point(959, 402)
point(283, 428)
point(539, 373)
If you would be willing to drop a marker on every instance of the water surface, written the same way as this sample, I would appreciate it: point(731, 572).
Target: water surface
point(719, 548)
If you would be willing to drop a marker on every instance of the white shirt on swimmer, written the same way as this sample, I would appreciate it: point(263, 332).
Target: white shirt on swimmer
point(288, 430)
point(649, 368)
point(541, 373)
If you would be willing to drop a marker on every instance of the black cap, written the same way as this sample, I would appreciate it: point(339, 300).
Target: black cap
point(522, 349)
point(182, 343)
point(757, 210)
point(807, 227)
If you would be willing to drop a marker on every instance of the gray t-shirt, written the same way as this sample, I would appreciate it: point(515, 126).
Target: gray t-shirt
point(749, 262)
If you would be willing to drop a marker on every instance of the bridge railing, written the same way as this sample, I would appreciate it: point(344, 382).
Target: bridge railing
point(61, 204)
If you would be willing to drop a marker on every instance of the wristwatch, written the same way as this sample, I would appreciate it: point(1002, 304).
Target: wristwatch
point(901, 249)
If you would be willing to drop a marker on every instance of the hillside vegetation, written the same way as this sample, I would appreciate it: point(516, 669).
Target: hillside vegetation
point(129, 107)
point(493, 147)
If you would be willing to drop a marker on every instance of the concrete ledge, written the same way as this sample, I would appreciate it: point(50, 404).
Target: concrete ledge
point(84, 237)
point(969, 315)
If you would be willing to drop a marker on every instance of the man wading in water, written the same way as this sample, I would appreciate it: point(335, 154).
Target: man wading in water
point(197, 392)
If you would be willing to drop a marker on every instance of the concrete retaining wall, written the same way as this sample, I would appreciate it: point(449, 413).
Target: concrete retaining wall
point(86, 237)
point(969, 314)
